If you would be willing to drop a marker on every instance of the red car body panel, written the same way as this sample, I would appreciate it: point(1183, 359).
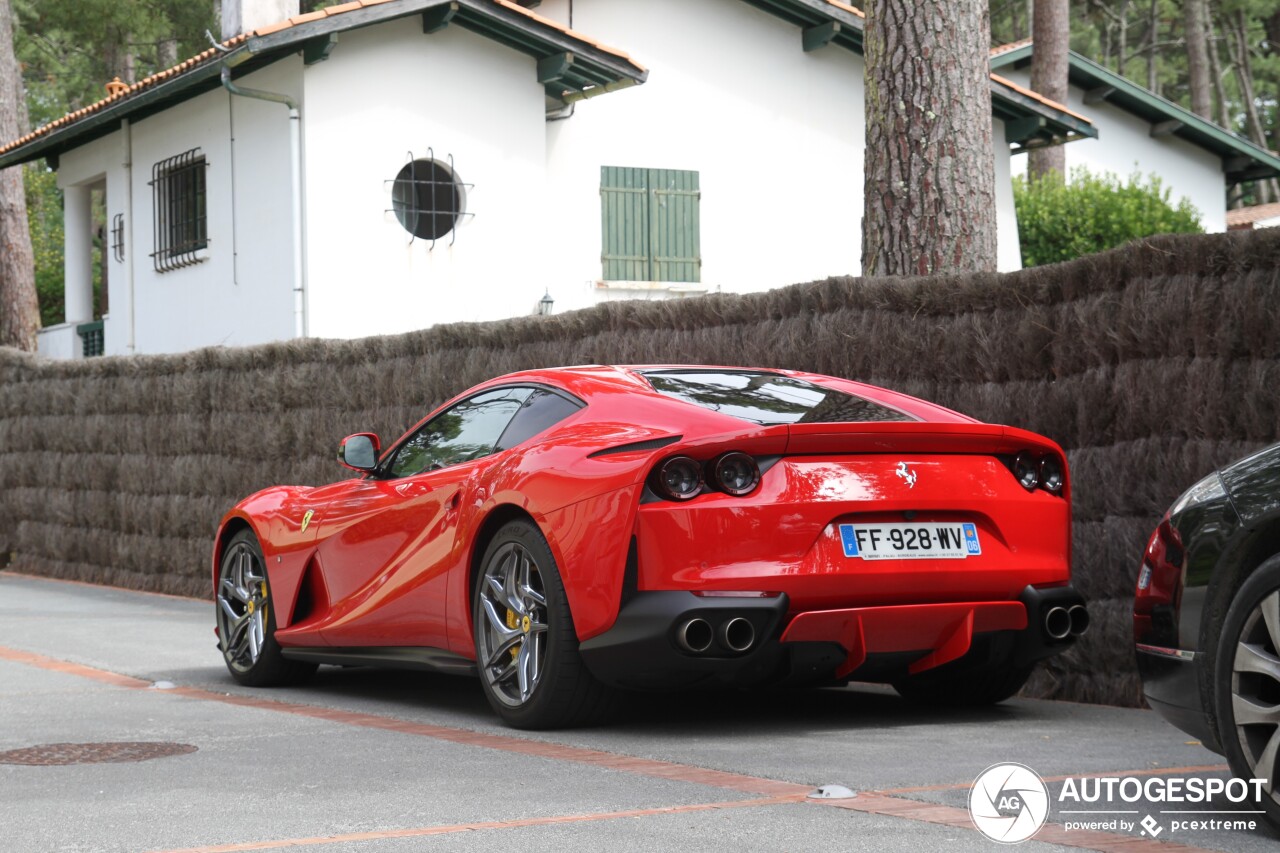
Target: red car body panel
point(388, 562)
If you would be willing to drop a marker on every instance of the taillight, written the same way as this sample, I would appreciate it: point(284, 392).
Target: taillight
point(735, 473)
point(678, 478)
point(1038, 472)
point(1025, 469)
point(1156, 600)
point(682, 478)
point(1051, 474)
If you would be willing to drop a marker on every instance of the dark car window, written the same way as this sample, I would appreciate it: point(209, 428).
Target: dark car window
point(542, 410)
point(768, 398)
point(468, 430)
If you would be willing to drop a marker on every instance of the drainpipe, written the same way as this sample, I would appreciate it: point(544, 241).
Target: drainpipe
point(129, 259)
point(295, 170)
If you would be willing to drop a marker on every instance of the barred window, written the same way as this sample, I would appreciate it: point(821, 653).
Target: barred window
point(179, 199)
point(428, 198)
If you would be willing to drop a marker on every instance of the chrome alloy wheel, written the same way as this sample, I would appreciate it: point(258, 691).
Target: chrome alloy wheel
point(242, 606)
point(1255, 691)
point(512, 639)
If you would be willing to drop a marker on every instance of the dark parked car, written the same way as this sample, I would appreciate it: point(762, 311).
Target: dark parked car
point(1207, 617)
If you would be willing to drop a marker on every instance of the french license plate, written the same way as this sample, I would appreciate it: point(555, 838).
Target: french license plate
point(930, 540)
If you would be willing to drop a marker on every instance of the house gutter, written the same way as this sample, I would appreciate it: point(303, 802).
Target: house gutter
point(300, 324)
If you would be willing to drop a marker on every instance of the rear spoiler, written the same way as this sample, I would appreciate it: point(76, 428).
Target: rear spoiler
point(903, 437)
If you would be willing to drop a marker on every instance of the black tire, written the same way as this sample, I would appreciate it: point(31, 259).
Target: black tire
point(247, 640)
point(964, 686)
point(521, 621)
point(1240, 676)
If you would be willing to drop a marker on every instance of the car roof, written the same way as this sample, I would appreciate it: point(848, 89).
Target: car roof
point(589, 380)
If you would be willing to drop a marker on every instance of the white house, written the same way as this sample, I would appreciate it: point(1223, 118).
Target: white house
point(386, 165)
point(1257, 216)
point(1139, 131)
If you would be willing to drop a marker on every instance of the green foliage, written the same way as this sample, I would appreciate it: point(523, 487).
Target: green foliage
point(70, 49)
point(44, 212)
point(1059, 220)
point(1146, 43)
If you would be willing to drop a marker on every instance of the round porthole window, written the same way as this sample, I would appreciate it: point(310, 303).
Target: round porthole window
point(428, 199)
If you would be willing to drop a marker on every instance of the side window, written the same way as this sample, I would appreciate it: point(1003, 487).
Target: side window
point(468, 430)
point(541, 411)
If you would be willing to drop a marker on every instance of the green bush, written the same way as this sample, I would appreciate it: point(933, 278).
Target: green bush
point(1058, 221)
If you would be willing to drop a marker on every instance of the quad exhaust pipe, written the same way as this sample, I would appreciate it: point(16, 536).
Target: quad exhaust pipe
point(697, 635)
point(1063, 622)
point(1057, 623)
point(1079, 620)
point(737, 634)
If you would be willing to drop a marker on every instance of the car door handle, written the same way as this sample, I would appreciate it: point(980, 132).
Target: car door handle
point(413, 490)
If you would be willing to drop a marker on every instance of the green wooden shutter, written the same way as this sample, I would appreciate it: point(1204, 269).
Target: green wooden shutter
point(673, 225)
point(649, 224)
point(625, 224)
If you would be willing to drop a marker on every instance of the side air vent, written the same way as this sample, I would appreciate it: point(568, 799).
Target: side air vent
point(647, 444)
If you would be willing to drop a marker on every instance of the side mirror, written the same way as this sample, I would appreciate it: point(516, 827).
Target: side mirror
point(360, 451)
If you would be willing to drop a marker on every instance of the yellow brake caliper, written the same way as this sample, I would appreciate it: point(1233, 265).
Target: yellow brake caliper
point(513, 622)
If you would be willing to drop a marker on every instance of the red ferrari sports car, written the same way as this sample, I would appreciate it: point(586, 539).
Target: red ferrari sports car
point(565, 533)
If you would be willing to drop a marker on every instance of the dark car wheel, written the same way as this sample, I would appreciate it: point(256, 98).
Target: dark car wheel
point(1247, 682)
point(246, 619)
point(526, 647)
point(964, 685)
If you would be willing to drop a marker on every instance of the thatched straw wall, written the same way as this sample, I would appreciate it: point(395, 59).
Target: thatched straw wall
point(1151, 364)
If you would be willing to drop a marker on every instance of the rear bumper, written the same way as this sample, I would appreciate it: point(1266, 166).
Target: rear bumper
point(1171, 685)
point(645, 650)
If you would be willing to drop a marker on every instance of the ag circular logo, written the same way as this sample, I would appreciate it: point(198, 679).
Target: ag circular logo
point(1009, 803)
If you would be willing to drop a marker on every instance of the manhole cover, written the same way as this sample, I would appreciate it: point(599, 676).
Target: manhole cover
point(49, 754)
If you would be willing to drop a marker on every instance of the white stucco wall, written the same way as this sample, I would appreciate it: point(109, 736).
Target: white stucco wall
point(1008, 246)
point(776, 134)
point(241, 293)
point(1125, 145)
point(387, 93)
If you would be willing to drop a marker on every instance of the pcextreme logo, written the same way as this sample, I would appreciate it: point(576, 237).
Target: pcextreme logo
point(1009, 803)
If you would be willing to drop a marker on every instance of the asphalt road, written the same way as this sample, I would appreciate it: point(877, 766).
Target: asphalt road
point(374, 761)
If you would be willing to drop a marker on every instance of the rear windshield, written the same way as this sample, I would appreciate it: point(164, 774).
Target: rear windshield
point(767, 398)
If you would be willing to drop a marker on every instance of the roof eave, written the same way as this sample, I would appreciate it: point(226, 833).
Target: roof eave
point(593, 71)
point(814, 13)
point(107, 119)
point(1131, 97)
point(1032, 123)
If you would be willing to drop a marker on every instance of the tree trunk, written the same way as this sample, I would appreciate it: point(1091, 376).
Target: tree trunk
point(19, 310)
point(929, 191)
point(1153, 36)
point(166, 53)
point(1238, 44)
point(1215, 72)
point(1198, 59)
point(1052, 35)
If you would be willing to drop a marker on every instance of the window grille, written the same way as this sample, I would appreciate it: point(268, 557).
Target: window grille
point(428, 199)
point(180, 205)
point(117, 237)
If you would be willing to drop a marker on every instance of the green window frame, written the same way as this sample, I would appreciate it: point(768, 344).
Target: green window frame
point(650, 228)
